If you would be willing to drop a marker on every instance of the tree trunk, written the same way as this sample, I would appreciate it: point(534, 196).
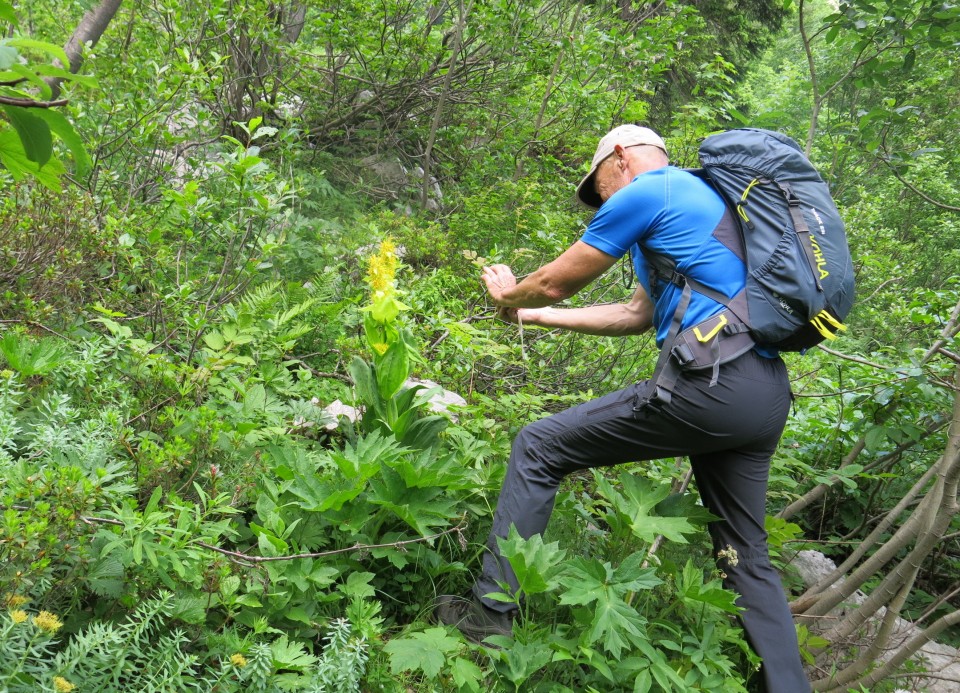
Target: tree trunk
point(448, 79)
point(89, 30)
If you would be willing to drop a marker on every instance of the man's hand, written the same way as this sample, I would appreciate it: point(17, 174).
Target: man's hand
point(520, 315)
point(499, 280)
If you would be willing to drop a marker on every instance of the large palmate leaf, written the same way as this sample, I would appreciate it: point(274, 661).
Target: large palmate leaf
point(424, 509)
point(637, 504)
point(424, 652)
point(589, 582)
point(535, 564)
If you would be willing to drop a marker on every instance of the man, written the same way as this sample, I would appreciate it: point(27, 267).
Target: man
point(727, 419)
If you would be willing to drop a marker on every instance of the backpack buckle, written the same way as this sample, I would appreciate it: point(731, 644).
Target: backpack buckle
point(683, 354)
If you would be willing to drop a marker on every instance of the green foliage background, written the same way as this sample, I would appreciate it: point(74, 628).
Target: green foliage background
point(185, 286)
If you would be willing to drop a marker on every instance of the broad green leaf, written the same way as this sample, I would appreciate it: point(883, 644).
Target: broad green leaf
point(691, 587)
point(535, 564)
point(424, 652)
point(15, 160)
point(214, 340)
point(640, 497)
point(365, 383)
point(370, 453)
point(6, 13)
point(589, 582)
point(8, 56)
point(291, 655)
point(466, 674)
point(50, 49)
point(424, 433)
point(358, 585)
point(32, 77)
point(424, 509)
point(392, 369)
point(614, 621)
point(685, 505)
point(428, 468)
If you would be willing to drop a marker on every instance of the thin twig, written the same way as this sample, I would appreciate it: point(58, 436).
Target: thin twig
point(458, 530)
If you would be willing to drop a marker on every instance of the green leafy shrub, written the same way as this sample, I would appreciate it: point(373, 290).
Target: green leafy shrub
point(54, 252)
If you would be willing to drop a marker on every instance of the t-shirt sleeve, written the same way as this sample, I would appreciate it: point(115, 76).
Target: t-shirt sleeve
point(627, 217)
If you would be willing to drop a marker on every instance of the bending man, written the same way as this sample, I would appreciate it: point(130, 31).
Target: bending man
point(727, 421)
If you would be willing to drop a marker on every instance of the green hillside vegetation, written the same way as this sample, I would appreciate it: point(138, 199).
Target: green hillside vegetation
point(218, 219)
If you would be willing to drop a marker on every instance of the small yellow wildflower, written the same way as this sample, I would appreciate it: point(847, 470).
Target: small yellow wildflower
point(62, 685)
point(18, 615)
point(14, 600)
point(47, 622)
point(238, 660)
point(380, 348)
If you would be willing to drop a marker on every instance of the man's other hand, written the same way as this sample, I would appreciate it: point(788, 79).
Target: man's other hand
point(499, 280)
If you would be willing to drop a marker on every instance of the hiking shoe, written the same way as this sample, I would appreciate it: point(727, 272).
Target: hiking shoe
point(472, 618)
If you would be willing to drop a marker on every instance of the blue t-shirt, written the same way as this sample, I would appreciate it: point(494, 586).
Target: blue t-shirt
point(674, 213)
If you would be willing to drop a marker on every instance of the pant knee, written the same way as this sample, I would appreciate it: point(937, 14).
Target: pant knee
point(533, 453)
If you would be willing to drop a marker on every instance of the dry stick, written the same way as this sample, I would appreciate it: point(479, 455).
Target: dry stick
point(36, 324)
point(933, 515)
point(928, 524)
point(441, 102)
point(818, 603)
point(819, 490)
point(547, 93)
point(881, 638)
point(31, 103)
point(950, 330)
point(910, 648)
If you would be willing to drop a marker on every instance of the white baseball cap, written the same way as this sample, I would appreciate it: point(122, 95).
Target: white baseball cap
point(625, 136)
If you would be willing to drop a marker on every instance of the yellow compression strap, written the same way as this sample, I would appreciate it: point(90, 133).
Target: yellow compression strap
point(824, 322)
point(712, 333)
point(743, 200)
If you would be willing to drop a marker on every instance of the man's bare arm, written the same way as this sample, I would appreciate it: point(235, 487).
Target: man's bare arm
point(579, 265)
point(612, 319)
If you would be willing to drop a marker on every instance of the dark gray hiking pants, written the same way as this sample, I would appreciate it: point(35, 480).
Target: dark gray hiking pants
point(728, 431)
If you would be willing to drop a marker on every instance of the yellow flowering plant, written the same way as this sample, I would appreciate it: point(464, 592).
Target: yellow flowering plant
point(379, 384)
point(384, 333)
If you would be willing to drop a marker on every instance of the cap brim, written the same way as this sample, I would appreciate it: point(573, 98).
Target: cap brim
point(587, 191)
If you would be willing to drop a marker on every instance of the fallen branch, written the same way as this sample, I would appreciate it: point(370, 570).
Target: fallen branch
point(30, 103)
point(237, 555)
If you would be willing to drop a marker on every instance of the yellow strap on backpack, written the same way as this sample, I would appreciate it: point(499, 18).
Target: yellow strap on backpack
point(831, 322)
point(743, 200)
point(721, 323)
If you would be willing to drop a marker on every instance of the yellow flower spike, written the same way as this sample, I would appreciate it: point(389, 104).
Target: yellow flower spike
point(47, 622)
point(62, 685)
point(18, 616)
point(238, 660)
point(382, 268)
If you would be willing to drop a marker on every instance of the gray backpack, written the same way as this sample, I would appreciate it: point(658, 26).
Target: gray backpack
point(800, 280)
